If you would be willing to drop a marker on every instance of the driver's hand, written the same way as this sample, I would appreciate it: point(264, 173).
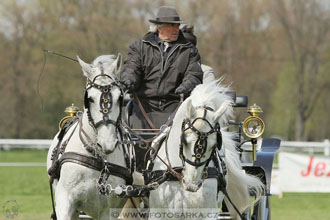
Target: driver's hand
point(181, 90)
point(128, 84)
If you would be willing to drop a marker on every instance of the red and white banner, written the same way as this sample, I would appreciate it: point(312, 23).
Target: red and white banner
point(304, 173)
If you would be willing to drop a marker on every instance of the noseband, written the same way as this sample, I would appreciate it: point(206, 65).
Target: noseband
point(106, 102)
point(201, 143)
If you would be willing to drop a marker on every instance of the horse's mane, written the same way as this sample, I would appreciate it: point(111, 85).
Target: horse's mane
point(211, 94)
point(104, 62)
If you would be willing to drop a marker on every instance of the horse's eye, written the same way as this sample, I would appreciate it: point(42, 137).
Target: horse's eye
point(90, 100)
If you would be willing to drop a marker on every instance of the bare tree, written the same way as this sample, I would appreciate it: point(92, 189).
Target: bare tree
point(305, 24)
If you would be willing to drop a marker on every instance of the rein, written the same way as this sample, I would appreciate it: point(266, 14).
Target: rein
point(90, 145)
point(149, 140)
point(146, 117)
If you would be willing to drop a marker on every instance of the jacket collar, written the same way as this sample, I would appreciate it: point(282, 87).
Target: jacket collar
point(151, 37)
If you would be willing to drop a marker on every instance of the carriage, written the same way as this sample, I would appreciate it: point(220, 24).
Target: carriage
point(255, 154)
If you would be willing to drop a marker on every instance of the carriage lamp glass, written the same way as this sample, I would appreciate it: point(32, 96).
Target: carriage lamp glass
point(253, 127)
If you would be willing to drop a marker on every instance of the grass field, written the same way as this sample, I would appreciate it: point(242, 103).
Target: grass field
point(29, 187)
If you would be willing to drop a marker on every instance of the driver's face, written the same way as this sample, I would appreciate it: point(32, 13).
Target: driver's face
point(169, 32)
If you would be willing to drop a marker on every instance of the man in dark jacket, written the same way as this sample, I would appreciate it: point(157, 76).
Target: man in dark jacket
point(159, 67)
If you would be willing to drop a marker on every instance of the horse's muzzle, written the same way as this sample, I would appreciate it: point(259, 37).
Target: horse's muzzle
point(191, 187)
point(108, 150)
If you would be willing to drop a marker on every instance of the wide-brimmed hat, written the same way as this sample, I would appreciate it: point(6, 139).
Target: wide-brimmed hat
point(167, 14)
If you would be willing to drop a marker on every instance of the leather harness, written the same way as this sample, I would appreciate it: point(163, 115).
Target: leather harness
point(175, 174)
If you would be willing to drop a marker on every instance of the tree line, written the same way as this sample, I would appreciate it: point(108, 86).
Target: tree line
point(277, 52)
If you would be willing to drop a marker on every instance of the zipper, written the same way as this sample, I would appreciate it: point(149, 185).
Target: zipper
point(161, 54)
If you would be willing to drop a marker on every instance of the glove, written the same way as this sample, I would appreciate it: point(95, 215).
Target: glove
point(128, 84)
point(180, 90)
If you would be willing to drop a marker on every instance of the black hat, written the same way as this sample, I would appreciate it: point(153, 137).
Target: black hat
point(167, 14)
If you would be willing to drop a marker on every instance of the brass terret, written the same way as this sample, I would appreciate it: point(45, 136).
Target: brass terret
point(254, 110)
point(70, 111)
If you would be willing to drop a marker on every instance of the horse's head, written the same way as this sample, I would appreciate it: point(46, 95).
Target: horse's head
point(103, 98)
point(200, 137)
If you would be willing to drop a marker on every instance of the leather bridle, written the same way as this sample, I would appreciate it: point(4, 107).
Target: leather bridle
point(200, 146)
point(106, 102)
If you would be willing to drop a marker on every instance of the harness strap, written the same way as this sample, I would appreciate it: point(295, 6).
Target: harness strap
point(96, 164)
point(91, 149)
point(170, 119)
point(144, 112)
point(157, 175)
point(171, 170)
point(149, 140)
point(106, 122)
point(53, 215)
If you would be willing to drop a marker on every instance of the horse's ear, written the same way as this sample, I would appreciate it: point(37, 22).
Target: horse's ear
point(118, 64)
point(191, 111)
point(87, 69)
point(223, 108)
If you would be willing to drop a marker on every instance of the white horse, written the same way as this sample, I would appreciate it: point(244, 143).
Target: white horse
point(95, 135)
point(192, 140)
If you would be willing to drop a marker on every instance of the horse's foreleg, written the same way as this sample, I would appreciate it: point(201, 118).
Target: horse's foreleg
point(65, 208)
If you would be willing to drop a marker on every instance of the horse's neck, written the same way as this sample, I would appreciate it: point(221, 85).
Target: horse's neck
point(116, 157)
point(86, 127)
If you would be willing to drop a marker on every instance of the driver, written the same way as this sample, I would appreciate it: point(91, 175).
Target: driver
point(159, 67)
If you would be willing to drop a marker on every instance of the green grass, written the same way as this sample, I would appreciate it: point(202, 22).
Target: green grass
point(301, 206)
point(29, 187)
point(17, 155)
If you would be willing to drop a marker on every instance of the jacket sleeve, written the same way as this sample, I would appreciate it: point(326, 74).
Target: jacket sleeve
point(132, 68)
point(194, 73)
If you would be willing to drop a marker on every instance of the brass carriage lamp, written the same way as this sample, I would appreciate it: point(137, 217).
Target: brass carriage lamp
point(253, 127)
point(70, 111)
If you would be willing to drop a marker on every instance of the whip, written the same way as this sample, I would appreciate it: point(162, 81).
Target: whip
point(43, 67)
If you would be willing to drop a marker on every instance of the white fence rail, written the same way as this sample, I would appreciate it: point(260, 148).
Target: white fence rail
point(7, 144)
point(310, 147)
point(290, 146)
